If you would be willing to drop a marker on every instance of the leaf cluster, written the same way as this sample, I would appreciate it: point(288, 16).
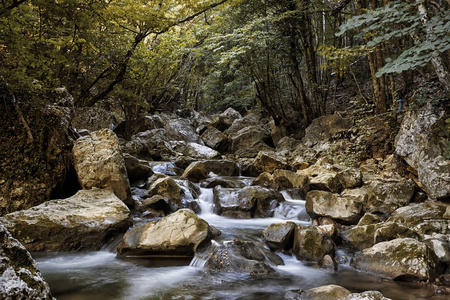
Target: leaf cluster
point(398, 20)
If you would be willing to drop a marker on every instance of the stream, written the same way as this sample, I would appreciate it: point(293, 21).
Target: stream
point(101, 275)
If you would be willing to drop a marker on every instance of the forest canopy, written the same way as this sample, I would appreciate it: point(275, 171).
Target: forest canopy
point(288, 57)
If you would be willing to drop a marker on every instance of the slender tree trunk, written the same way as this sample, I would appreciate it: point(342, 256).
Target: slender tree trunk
point(440, 68)
point(30, 138)
point(375, 62)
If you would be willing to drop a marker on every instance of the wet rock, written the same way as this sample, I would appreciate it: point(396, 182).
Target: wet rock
point(323, 128)
point(325, 204)
point(265, 179)
point(194, 150)
point(85, 221)
point(215, 139)
point(424, 218)
point(137, 168)
point(368, 295)
point(217, 180)
point(441, 248)
point(181, 130)
point(200, 170)
point(327, 292)
point(279, 236)
point(421, 145)
point(159, 204)
point(99, 163)
point(229, 116)
point(166, 187)
point(19, 274)
point(400, 259)
point(92, 118)
point(365, 236)
point(311, 244)
point(284, 179)
point(178, 234)
point(242, 257)
point(332, 231)
point(248, 202)
point(269, 162)
point(385, 197)
point(328, 263)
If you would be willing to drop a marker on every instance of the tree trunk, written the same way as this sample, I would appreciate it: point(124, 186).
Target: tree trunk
point(440, 68)
point(376, 62)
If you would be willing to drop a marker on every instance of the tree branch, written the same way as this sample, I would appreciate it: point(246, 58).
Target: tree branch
point(137, 39)
point(337, 6)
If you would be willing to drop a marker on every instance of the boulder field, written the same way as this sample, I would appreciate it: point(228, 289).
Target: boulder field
point(393, 226)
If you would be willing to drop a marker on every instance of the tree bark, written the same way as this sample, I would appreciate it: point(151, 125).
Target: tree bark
point(438, 62)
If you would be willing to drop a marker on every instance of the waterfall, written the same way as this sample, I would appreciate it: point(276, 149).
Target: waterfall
point(206, 200)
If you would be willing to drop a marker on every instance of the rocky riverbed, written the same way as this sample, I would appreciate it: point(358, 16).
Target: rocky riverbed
point(226, 207)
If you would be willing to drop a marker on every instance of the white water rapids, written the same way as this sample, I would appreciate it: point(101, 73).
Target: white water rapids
point(102, 276)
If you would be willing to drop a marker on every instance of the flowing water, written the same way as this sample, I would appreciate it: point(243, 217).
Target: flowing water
point(103, 276)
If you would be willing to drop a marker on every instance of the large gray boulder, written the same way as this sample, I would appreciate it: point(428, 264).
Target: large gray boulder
point(327, 292)
point(99, 163)
point(386, 196)
point(345, 209)
point(332, 178)
point(254, 136)
point(86, 221)
point(149, 144)
point(312, 244)
point(215, 139)
point(181, 130)
point(194, 150)
point(419, 142)
point(333, 292)
point(245, 203)
point(401, 259)
point(269, 162)
point(365, 236)
point(284, 179)
point(167, 188)
point(424, 218)
point(200, 170)
point(137, 168)
point(279, 236)
point(250, 119)
point(229, 116)
point(242, 257)
point(178, 234)
point(19, 274)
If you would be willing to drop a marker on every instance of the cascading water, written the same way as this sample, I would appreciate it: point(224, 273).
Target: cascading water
point(103, 276)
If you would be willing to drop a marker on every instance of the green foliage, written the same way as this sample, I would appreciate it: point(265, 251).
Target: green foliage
point(397, 20)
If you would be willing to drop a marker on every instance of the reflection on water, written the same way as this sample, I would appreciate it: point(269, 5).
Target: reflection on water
point(103, 276)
